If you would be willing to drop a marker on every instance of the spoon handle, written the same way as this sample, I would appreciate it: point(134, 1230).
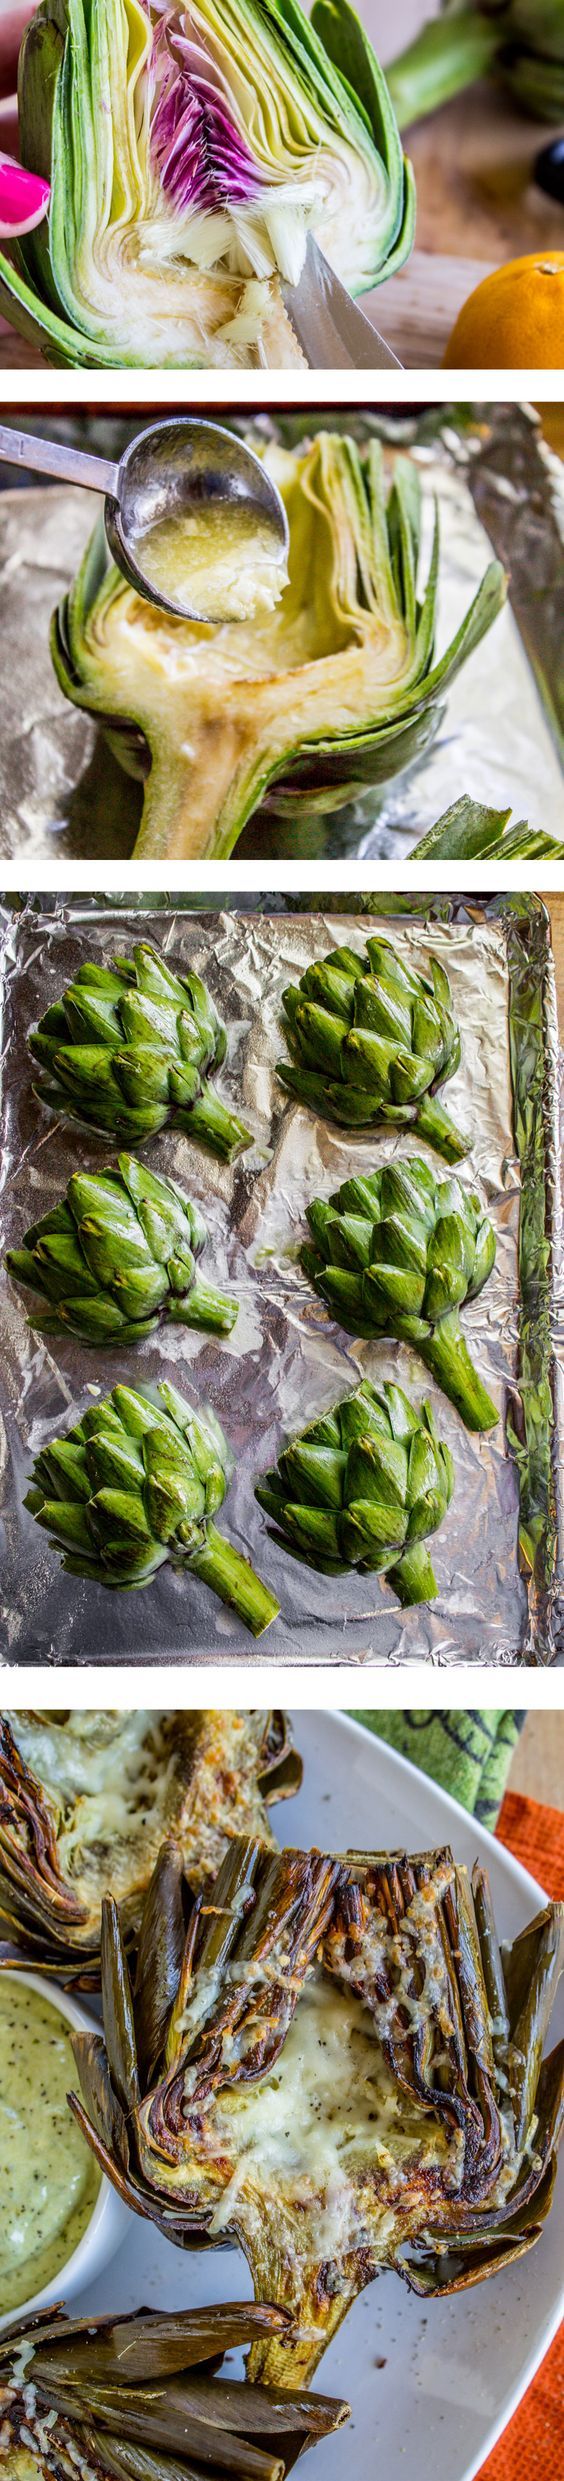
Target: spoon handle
point(47, 456)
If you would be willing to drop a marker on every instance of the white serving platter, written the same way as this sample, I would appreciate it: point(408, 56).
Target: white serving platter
point(431, 2385)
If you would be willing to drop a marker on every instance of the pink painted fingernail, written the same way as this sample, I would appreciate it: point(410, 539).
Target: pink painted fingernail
point(24, 198)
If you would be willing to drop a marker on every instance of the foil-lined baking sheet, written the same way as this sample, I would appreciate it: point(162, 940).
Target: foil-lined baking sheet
point(496, 1556)
point(501, 730)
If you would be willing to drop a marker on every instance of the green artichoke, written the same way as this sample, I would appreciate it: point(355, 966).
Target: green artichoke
point(117, 1255)
point(332, 2063)
point(136, 1483)
point(372, 1039)
point(138, 2397)
point(397, 1254)
point(327, 697)
point(128, 1047)
point(470, 831)
point(189, 153)
point(361, 1487)
point(521, 42)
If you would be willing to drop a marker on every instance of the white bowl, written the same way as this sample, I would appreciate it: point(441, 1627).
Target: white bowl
point(109, 2218)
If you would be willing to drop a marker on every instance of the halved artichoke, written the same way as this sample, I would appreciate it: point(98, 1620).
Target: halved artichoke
point(115, 1256)
point(361, 1488)
point(87, 1798)
point(139, 2398)
point(398, 1253)
point(189, 150)
point(331, 694)
point(137, 1482)
point(328, 2059)
point(373, 1039)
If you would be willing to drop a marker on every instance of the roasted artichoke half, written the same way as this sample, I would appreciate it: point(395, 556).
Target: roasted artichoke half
point(373, 1039)
point(323, 699)
point(87, 1798)
point(190, 150)
point(141, 2398)
point(328, 2059)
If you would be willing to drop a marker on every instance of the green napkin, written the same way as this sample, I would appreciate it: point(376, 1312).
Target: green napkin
point(469, 1754)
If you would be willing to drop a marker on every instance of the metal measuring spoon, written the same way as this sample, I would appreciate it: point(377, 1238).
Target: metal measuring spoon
point(169, 469)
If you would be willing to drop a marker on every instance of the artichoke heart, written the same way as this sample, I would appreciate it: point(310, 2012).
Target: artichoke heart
point(140, 2397)
point(398, 1253)
point(190, 146)
point(342, 2074)
point(328, 696)
point(87, 1798)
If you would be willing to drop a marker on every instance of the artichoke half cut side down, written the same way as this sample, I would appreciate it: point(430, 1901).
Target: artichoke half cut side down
point(86, 1800)
point(372, 1039)
point(189, 152)
point(362, 1487)
point(138, 1482)
point(116, 1256)
point(338, 2070)
point(398, 1253)
point(141, 2397)
point(520, 43)
point(129, 1048)
point(328, 697)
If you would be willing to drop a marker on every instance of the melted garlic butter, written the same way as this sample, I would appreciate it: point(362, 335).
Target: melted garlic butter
point(329, 2106)
point(216, 560)
point(49, 2181)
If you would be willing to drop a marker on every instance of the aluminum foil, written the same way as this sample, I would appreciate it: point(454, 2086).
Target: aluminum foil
point(285, 1361)
point(501, 738)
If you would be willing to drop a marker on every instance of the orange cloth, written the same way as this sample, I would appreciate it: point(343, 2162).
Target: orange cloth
point(532, 2447)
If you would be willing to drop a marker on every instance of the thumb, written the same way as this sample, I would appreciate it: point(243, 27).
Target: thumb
point(24, 199)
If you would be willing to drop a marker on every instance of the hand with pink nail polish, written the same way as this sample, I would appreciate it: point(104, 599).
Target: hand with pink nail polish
point(24, 198)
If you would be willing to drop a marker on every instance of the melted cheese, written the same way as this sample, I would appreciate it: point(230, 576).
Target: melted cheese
point(116, 1783)
point(329, 2113)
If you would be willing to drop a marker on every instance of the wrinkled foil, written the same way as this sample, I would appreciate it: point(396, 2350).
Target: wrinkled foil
point(501, 733)
point(285, 1362)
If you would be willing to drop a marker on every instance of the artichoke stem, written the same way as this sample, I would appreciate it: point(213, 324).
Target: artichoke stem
point(205, 1308)
point(292, 2362)
point(446, 1355)
point(233, 1579)
point(210, 1122)
point(434, 1123)
point(448, 55)
point(413, 1578)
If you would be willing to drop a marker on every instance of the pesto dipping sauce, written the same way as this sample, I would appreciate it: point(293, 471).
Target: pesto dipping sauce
point(49, 2181)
